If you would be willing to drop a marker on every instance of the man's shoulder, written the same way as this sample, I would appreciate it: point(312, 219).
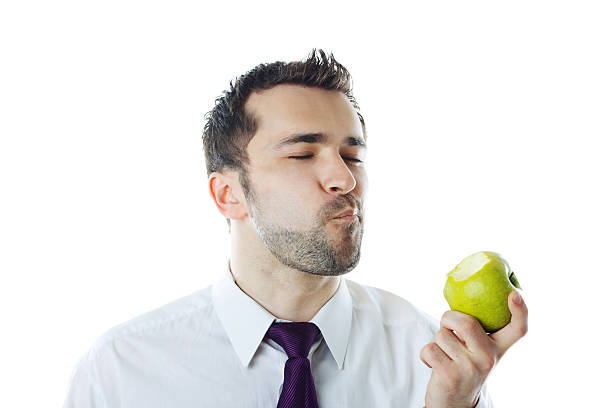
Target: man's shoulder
point(178, 311)
point(393, 309)
point(137, 340)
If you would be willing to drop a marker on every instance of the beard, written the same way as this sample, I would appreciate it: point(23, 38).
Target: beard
point(322, 250)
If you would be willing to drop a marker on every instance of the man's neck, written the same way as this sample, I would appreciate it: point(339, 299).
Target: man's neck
point(284, 292)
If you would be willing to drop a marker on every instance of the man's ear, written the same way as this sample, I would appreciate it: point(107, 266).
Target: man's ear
point(227, 194)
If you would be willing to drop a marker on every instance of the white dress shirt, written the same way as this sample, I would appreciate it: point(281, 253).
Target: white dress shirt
point(208, 349)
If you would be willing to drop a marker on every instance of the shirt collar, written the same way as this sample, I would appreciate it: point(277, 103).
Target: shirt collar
point(246, 322)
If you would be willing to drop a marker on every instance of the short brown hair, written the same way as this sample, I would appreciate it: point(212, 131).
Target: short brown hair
point(228, 128)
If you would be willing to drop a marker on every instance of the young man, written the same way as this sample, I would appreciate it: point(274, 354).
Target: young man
point(285, 150)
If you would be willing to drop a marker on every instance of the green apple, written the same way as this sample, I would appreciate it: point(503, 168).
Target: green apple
point(479, 286)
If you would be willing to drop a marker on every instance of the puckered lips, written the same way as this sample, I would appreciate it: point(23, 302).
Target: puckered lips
point(348, 214)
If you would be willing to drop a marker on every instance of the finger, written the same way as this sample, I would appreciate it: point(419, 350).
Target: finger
point(434, 357)
point(467, 328)
point(450, 344)
point(461, 339)
point(517, 328)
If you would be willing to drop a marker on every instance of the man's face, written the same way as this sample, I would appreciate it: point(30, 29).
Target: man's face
point(293, 202)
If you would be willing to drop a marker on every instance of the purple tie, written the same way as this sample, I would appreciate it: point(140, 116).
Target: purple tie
point(296, 338)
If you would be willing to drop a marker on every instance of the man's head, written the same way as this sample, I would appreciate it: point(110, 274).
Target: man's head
point(255, 178)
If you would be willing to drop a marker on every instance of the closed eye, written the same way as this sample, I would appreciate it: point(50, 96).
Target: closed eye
point(310, 156)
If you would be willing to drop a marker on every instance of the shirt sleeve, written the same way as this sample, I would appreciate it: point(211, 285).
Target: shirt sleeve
point(83, 392)
point(485, 399)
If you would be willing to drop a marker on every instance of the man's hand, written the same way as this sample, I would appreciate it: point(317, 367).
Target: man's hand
point(461, 361)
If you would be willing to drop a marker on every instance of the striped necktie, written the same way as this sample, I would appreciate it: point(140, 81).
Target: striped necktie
point(296, 338)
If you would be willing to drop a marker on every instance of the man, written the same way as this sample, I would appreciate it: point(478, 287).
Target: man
point(285, 150)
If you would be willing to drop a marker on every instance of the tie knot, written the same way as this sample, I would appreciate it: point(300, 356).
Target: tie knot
point(295, 338)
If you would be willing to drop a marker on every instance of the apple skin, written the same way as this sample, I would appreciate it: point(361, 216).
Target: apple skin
point(484, 295)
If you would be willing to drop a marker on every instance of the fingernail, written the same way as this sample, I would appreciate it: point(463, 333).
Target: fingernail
point(518, 300)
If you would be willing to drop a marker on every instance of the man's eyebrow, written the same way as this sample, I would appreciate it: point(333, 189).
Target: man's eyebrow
point(316, 138)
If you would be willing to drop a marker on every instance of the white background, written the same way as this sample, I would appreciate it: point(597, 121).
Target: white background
point(488, 125)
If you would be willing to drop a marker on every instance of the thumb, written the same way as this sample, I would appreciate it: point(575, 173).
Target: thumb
point(517, 328)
